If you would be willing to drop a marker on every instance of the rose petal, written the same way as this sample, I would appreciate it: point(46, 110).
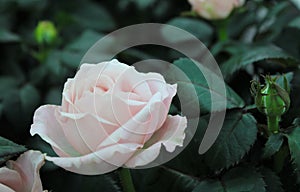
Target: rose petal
point(100, 106)
point(135, 82)
point(171, 134)
point(167, 99)
point(213, 9)
point(11, 179)
point(102, 161)
point(48, 128)
point(112, 69)
point(4, 188)
point(140, 127)
point(28, 166)
point(84, 131)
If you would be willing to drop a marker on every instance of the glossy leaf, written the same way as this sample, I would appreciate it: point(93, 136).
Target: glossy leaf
point(256, 53)
point(164, 179)
point(272, 145)
point(294, 145)
point(94, 16)
point(244, 179)
point(9, 149)
point(234, 141)
point(198, 28)
point(8, 37)
point(273, 183)
point(30, 98)
point(209, 185)
point(199, 84)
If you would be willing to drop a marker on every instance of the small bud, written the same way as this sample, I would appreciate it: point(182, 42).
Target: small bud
point(45, 32)
point(272, 100)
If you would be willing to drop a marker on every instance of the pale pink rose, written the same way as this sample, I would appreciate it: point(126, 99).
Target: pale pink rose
point(22, 175)
point(110, 116)
point(215, 9)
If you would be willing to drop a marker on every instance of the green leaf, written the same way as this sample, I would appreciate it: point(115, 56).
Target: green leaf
point(196, 27)
point(243, 179)
point(7, 83)
point(139, 4)
point(9, 149)
point(209, 185)
point(12, 107)
point(184, 71)
point(38, 74)
point(32, 4)
point(73, 53)
point(163, 179)
point(75, 182)
point(295, 23)
point(296, 3)
point(71, 58)
point(94, 16)
point(30, 98)
point(1, 109)
point(294, 145)
point(273, 183)
point(274, 21)
point(272, 145)
point(194, 163)
point(53, 62)
point(8, 37)
point(143, 4)
point(84, 41)
point(54, 96)
point(280, 81)
point(136, 54)
point(19, 105)
point(234, 141)
point(253, 54)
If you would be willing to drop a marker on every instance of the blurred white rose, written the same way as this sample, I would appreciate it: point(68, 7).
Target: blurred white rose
point(215, 9)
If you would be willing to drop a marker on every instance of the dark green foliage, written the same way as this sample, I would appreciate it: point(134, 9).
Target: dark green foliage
point(273, 145)
point(9, 149)
point(234, 141)
point(294, 145)
point(263, 39)
point(273, 183)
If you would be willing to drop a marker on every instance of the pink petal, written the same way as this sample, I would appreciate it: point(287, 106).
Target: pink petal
point(141, 126)
point(84, 131)
point(10, 178)
point(47, 127)
point(101, 106)
point(171, 134)
point(4, 188)
point(103, 161)
point(28, 166)
point(139, 83)
point(92, 75)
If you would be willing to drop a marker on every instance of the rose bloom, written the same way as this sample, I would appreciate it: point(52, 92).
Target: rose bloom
point(22, 175)
point(110, 116)
point(215, 9)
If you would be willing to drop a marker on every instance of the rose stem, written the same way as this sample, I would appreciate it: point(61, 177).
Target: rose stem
point(273, 123)
point(222, 29)
point(126, 180)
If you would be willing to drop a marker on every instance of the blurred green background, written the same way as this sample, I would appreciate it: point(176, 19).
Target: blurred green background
point(33, 73)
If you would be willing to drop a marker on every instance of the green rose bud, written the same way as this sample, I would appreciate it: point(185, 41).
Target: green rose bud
point(45, 32)
point(272, 100)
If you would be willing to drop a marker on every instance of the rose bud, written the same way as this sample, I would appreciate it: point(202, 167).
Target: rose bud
point(272, 100)
point(215, 9)
point(45, 33)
